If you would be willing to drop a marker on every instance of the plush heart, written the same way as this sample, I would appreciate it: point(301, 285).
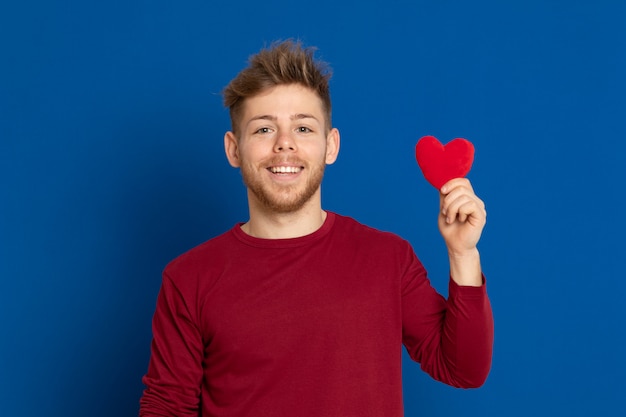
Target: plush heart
point(441, 163)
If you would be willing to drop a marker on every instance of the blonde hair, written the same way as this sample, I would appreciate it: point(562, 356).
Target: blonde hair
point(286, 62)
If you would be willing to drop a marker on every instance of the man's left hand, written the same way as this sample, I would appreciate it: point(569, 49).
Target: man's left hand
point(462, 216)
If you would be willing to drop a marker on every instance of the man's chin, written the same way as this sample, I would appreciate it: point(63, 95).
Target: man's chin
point(284, 202)
point(285, 206)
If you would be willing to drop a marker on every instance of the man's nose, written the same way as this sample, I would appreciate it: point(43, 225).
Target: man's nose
point(284, 142)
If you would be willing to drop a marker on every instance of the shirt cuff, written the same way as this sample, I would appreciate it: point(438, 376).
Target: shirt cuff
point(456, 290)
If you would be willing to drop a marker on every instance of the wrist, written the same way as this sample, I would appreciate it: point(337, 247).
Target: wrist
point(463, 254)
point(465, 267)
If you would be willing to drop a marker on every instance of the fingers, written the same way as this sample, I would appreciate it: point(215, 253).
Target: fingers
point(454, 183)
point(459, 202)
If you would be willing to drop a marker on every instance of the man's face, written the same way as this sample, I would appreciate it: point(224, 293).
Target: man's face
point(283, 148)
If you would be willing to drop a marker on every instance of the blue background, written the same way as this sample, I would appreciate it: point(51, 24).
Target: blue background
point(112, 163)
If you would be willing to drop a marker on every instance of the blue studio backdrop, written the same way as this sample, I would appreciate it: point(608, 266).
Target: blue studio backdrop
point(112, 164)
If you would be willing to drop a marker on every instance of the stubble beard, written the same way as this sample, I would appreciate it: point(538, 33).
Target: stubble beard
point(283, 198)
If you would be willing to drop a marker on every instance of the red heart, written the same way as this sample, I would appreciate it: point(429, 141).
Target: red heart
point(441, 163)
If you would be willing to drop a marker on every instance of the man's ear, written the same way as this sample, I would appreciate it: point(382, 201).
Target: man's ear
point(332, 146)
point(231, 147)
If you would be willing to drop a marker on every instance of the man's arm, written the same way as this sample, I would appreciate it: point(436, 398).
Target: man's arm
point(453, 339)
point(461, 222)
point(174, 375)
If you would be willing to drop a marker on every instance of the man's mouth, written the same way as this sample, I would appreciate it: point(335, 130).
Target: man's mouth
point(285, 170)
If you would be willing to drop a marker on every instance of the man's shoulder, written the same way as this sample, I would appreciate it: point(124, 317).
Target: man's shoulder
point(386, 249)
point(353, 228)
point(204, 254)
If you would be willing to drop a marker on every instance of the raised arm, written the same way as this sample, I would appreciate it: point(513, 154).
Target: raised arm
point(453, 340)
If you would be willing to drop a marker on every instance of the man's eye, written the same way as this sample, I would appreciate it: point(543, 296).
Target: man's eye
point(304, 129)
point(263, 130)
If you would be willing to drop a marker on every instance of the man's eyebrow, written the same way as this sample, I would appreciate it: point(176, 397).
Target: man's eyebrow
point(263, 117)
point(271, 118)
point(300, 116)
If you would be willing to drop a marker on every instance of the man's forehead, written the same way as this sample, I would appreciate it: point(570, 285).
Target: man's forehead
point(293, 101)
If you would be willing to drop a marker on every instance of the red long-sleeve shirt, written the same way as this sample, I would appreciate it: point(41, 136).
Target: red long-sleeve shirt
point(310, 326)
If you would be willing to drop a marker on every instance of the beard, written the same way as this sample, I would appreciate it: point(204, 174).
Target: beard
point(283, 198)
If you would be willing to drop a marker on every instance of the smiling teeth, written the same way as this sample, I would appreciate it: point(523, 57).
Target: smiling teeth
point(285, 170)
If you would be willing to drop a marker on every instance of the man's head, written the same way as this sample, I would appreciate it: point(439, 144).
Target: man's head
point(281, 136)
point(283, 63)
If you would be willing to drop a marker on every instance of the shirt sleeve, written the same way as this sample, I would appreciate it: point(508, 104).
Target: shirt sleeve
point(173, 380)
point(451, 339)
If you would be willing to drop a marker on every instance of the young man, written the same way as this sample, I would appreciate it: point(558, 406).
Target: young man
point(300, 311)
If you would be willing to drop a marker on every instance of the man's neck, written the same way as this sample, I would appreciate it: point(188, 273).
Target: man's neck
point(266, 225)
